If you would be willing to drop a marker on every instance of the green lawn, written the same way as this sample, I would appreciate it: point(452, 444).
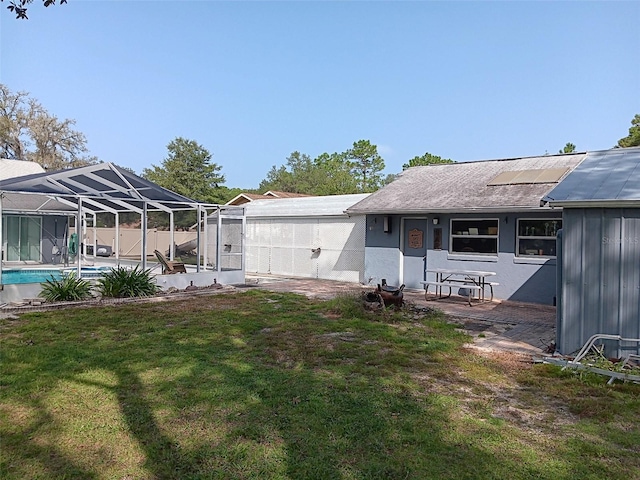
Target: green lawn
point(276, 386)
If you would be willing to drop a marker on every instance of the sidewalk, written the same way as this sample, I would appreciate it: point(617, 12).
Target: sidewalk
point(522, 328)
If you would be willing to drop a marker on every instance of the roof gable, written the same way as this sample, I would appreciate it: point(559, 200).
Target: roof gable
point(243, 198)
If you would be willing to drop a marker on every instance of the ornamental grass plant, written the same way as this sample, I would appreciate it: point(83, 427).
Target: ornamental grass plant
point(124, 283)
point(68, 288)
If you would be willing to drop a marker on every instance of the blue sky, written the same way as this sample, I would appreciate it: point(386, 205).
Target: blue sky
point(254, 81)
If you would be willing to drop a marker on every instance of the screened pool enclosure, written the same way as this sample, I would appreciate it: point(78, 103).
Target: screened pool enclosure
point(37, 211)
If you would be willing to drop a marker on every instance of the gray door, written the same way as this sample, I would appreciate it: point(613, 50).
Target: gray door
point(414, 251)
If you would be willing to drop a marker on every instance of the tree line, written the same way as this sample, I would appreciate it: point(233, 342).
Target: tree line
point(29, 132)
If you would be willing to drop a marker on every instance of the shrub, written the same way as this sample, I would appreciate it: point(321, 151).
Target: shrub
point(68, 288)
point(121, 283)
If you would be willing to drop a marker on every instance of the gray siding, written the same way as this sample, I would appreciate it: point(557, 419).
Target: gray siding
point(601, 278)
point(523, 279)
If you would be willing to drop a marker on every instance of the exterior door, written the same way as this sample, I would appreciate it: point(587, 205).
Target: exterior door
point(414, 251)
point(23, 238)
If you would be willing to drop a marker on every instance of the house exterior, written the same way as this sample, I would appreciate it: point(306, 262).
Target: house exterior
point(484, 215)
point(599, 282)
point(30, 235)
point(307, 236)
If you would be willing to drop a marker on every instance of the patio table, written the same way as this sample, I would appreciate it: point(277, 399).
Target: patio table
point(472, 280)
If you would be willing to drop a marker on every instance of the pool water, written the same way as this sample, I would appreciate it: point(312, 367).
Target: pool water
point(41, 275)
point(28, 275)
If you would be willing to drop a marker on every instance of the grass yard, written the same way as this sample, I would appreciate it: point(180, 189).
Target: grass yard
point(265, 385)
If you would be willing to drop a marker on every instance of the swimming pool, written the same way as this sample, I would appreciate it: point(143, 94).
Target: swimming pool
point(30, 275)
point(40, 275)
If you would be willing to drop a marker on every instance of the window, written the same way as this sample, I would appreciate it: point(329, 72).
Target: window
point(537, 236)
point(474, 236)
point(437, 239)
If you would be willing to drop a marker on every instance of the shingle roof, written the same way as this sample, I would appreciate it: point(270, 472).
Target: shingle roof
point(243, 198)
point(607, 177)
point(460, 187)
point(278, 194)
point(18, 168)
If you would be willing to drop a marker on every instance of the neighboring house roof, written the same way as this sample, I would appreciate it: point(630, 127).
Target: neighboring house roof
point(608, 178)
point(243, 198)
point(330, 205)
point(277, 194)
point(489, 185)
point(17, 203)
point(18, 168)
point(246, 198)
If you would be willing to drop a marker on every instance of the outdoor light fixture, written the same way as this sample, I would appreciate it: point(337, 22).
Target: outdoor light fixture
point(386, 224)
point(436, 220)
